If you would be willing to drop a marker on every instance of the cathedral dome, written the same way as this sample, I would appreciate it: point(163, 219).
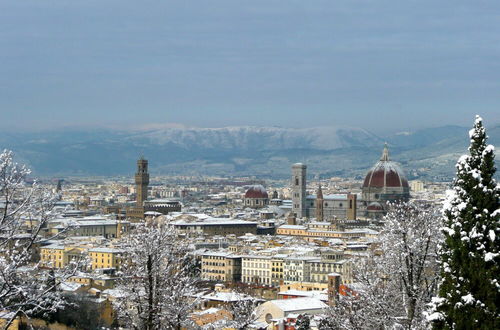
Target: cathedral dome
point(256, 191)
point(385, 174)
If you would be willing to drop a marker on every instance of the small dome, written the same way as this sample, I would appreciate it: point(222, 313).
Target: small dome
point(385, 173)
point(256, 191)
point(375, 206)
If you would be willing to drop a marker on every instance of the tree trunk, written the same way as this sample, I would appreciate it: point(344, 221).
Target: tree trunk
point(149, 324)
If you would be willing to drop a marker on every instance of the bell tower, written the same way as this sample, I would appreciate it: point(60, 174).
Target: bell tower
point(142, 181)
point(299, 190)
point(319, 204)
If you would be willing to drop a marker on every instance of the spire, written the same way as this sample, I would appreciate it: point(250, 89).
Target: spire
point(319, 194)
point(385, 153)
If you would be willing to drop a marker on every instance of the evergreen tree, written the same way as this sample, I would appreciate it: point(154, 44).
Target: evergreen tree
point(469, 294)
point(303, 322)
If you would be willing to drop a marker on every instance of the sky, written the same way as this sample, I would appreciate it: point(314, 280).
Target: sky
point(380, 65)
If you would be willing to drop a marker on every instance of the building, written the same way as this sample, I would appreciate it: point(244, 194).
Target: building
point(257, 269)
point(60, 256)
point(319, 269)
point(105, 258)
point(141, 181)
point(221, 266)
point(416, 186)
point(274, 311)
point(310, 234)
point(215, 226)
point(384, 182)
point(256, 197)
point(89, 226)
point(143, 205)
point(299, 194)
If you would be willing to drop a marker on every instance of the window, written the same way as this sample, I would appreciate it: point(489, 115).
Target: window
point(296, 181)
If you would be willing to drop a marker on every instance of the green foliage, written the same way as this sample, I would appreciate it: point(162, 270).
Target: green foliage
point(303, 322)
point(469, 296)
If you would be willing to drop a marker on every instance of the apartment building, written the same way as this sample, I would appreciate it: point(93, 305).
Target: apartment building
point(221, 266)
point(105, 258)
point(60, 256)
point(258, 269)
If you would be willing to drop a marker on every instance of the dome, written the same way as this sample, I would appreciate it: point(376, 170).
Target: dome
point(385, 173)
point(256, 191)
point(375, 206)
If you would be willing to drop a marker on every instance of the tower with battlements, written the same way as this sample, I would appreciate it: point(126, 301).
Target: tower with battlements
point(142, 181)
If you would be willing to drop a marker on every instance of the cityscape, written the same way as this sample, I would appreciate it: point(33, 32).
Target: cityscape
point(263, 166)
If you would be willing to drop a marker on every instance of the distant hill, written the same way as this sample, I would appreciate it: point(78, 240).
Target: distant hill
point(260, 151)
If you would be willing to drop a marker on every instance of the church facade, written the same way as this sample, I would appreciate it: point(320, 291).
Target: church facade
point(384, 182)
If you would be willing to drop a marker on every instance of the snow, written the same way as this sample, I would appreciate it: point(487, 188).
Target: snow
point(491, 235)
point(489, 149)
point(434, 317)
point(298, 304)
point(490, 256)
point(468, 299)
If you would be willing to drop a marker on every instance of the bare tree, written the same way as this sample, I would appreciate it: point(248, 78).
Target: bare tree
point(156, 280)
point(244, 312)
point(396, 282)
point(25, 210)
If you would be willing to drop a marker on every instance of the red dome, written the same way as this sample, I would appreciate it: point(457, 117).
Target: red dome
point(257, 191)
point(375, 206)
point(385, 174)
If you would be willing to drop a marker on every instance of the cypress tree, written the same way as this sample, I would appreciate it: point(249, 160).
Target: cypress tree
point(469, 293)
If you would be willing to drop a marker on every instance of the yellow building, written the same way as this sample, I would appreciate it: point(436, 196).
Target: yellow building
point(220, 266)
point(276, 271)
point(310, 234)
point(101, 282)
point(52, 256)
point(105, 258)
point(59, 256)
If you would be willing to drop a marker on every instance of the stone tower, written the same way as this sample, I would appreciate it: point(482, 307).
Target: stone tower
point(142, 181)
point(299, 190)
point(352, 207)
point(319, 204)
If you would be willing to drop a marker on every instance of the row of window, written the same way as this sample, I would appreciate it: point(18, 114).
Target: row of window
point(208, 263)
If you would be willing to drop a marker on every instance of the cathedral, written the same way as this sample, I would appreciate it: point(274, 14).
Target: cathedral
point(384, 182)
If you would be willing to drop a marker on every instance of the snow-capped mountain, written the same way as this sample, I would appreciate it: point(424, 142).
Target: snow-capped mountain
point(266, 151)
point(257, 138)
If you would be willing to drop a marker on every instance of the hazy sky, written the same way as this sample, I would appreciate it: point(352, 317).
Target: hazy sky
point(374, 64)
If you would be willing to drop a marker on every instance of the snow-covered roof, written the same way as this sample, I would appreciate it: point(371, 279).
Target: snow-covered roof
point(213, 222)
point(293, 227)
point(226, 296)
point(70, 286)
point(106, 250)
point(298, 304)
point(311, 294)
point(116, 293)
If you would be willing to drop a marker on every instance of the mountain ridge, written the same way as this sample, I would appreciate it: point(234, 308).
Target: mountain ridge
point(238, 150)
